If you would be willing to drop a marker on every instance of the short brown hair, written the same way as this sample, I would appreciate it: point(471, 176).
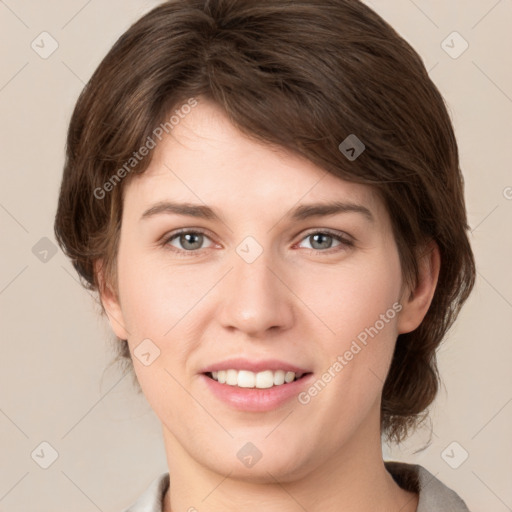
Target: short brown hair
point(301, 75)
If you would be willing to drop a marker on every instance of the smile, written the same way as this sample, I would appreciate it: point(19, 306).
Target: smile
point(261, 380)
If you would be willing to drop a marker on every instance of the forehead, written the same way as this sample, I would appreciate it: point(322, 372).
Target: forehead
point(205, 158)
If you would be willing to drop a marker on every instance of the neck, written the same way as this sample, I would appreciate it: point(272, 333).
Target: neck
point(355, 476)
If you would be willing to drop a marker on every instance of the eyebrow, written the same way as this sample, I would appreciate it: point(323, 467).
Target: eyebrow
point(301, 212)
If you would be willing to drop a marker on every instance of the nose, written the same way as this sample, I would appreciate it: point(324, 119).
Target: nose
point(255, 297)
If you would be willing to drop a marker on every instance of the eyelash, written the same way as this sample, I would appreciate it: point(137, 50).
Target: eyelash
point(345, 242)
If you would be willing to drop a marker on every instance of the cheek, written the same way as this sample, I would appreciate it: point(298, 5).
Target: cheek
point(155, 297)
point(351, 297)
point(359, 305)
point(155, 301)
point(162, 303)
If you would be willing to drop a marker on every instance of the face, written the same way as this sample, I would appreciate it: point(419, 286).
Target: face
point(251, 315)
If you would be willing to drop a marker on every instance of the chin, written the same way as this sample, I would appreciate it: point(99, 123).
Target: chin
point(273, 464)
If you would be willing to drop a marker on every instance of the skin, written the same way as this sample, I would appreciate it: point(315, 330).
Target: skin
point(298, 301)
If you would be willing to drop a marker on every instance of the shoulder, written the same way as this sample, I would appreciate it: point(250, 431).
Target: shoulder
point(434, 496)
point(151, 499)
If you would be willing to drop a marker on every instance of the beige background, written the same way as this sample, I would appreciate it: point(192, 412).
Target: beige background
point(55, 346)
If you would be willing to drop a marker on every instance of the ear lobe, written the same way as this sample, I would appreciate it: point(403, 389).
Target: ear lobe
point(110, 302)
point(416, 302)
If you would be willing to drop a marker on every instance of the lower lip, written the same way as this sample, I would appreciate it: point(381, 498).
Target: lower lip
point(255, 399)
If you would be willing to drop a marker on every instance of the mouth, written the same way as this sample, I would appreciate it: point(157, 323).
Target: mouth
point(250, 384)
point(260, 380)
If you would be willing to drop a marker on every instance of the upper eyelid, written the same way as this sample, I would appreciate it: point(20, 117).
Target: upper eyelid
point(329, 231)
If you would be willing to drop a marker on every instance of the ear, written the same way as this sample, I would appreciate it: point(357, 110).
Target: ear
point(110, 302)
point(415, 302)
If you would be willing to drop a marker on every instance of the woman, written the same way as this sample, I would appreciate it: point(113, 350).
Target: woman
point(267, 198)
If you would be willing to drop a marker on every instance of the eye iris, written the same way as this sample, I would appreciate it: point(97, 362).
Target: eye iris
point(191, 240)
point(320, 238)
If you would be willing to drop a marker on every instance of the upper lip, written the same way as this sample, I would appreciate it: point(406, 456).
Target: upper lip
point(253, 366)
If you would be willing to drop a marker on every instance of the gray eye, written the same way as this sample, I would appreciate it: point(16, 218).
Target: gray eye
point(191, 241)
point(321, 241)
point(188, 241)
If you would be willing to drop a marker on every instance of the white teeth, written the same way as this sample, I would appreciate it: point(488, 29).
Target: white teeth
point(289, 377)
point(264, 379)
point(231, 377)
point(261, 380)
point(279, 377)
point(245, 379)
